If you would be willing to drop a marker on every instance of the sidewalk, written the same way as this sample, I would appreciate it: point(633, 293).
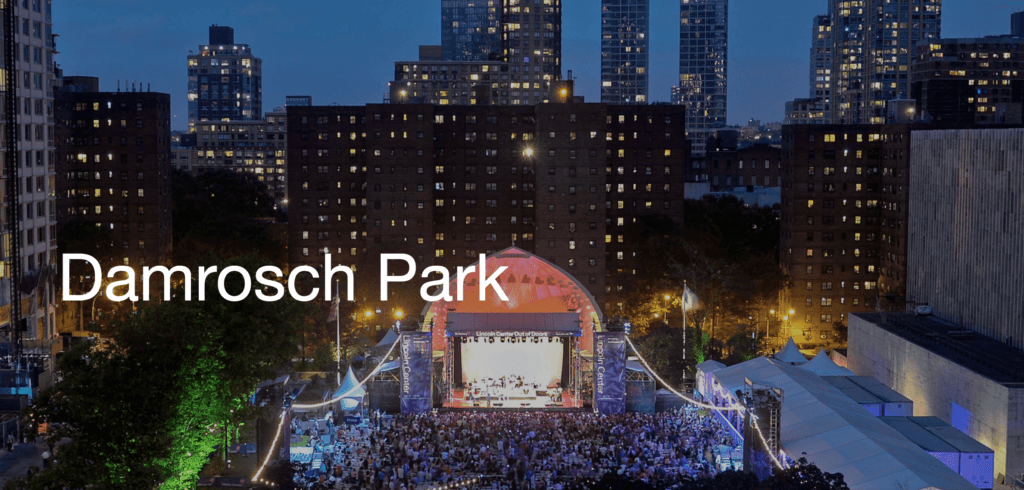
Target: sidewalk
point(15, 464)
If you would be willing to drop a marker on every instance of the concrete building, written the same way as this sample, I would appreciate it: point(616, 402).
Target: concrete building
point(843, 227)
point(972, 382)
point(113, 167)
point(225, 81)
point(873, 46)
point(807, 111)
point(35, 159)
point(756, 166)
point(969, 80)
point(529, 62)
point(242, 146)
point(703, 67)
point(1017, 24)
point(625, 33)
point(821, 61)
point(966, 229)
point(446, 183)
point(471, 30)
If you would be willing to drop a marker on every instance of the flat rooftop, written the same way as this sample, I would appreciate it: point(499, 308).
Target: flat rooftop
point(988, 357)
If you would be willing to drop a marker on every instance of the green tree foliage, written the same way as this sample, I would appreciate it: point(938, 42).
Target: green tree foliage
point(147, 409)
point(226, 213)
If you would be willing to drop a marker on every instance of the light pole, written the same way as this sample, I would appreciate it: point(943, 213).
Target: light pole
point(337, 328)
point(768, 326)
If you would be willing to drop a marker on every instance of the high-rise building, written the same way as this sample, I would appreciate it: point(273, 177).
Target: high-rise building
point(532, 46)
point(894, 31)
point(446, 183)
point(821, 61)
point(843, 244)
point(529, 62)
point(1017, 24)
point(625, 28)
point(873, 48)
point(243, 146)
point(114, 168)
point(969, 81)
point(35, 159)
point(224, 81)
point(471, 30)
point(703, 67)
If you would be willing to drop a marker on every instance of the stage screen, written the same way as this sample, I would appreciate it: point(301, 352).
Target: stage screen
point(536, 362)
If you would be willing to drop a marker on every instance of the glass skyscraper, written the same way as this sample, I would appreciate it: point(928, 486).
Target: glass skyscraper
point(625, 28)
point(470, 30)
point(703, 66)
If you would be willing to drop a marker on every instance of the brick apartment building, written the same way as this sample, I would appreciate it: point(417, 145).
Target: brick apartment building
point(446, 183)
point(844, 209)
point(113, 166)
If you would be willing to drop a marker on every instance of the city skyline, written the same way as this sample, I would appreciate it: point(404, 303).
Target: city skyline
point(155, 40)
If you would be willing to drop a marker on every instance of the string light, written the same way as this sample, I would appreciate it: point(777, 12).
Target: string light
point(753, 417)
point(280, 424)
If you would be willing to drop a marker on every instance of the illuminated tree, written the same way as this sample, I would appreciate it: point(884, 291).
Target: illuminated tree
point(147, 410)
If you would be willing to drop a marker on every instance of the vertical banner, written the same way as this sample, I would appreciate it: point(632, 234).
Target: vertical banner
point(609, 372)
point(416, 372)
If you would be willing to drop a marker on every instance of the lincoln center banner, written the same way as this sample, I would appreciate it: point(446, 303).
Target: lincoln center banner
point(610, 372)
point(416, 354)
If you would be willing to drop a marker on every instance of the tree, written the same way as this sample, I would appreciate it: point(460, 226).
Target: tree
point(148, 409)
point(226, 213)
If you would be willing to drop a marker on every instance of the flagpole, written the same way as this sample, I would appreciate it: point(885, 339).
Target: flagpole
point(337, 327)
point(684, 319)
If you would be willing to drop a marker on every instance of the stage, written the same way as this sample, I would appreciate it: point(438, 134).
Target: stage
point(458, 401)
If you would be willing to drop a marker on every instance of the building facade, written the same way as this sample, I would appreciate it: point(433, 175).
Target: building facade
point(966, 235)
point(703, 67)
point(821, 61)
point(446, 183)
point(225, 81)
point(625, 33)
point(114, 169)
point(874, 42)
point(243, 146)
point(756, 166)
point(34, 93)
point(844, 191)
point(529, 63)
point(471, 30)
point(969, 80)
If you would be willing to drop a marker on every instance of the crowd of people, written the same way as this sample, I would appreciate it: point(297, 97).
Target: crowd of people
point(524, 450)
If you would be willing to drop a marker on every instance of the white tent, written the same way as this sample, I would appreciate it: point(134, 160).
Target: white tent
point(822, 365)
point(790, 353)
point(389, 338)
point(832, 431)
point(353, 393)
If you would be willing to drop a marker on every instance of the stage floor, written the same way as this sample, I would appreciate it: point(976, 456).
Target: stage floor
point(458, 400)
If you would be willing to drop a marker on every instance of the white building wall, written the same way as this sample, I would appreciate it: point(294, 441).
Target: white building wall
point(935, 383)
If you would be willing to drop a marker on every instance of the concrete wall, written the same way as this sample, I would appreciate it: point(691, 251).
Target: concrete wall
point(965, 248)
point(934, 383)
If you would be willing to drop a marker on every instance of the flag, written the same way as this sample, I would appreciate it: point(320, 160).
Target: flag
point(689, 300)
point(335, 304)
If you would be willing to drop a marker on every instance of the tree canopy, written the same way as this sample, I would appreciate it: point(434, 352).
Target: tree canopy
point(146, 409)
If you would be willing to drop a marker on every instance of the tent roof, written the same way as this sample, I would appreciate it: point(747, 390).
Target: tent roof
point(822, 365)
point(839, 435)
point(790, 353)
point(348, 384)
point(389, 338)
point(388, 366)
point(709, 366)
point(514, 322)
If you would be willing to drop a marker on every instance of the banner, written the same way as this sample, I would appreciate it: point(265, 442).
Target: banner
point(416, 353)
point(609, 372)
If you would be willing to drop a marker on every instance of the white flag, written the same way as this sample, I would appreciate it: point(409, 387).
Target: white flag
point(689, 300)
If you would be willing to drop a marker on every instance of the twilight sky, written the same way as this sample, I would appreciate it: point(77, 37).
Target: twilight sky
point(344, 50)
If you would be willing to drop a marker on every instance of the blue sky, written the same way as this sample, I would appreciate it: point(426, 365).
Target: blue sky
point(344, 51)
